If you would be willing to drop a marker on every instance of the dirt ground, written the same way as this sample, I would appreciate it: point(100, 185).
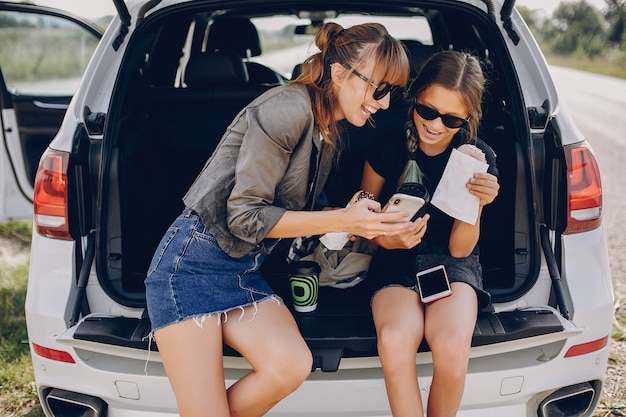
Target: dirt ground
point(13, 251)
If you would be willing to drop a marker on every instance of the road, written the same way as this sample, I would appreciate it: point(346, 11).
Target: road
point(598, 106)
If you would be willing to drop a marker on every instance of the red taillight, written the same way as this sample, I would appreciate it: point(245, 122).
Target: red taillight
point(55, 355)
point(584, 190)
point(50, 199)
point(588, 347)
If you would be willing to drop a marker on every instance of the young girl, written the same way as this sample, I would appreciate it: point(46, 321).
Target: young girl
point(445, 113)
point(258, 187)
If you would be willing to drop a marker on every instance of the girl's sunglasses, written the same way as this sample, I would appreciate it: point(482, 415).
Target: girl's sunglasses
point(450, 121)
point(380, 90)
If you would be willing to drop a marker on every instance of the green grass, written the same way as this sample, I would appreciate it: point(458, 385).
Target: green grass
point(603, 66)
point(612, 62)
point(17, 387)
point(20, 230)
point(613, 400)
point(30, 59)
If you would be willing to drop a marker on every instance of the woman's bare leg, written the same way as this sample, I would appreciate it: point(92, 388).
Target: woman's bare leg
point(450, 325)
point(268, 337)
point(399, 320)
point(265, 334)
point(192, 356)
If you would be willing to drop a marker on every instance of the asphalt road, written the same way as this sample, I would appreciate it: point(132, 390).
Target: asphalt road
point(598, 105)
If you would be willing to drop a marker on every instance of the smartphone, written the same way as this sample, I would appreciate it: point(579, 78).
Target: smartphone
point(433, 284)
point(405, 202)
point(414, 188)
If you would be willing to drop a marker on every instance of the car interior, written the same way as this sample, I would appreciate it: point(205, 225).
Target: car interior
point(189, 77)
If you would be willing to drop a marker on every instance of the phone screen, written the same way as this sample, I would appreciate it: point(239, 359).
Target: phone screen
point(433, 284)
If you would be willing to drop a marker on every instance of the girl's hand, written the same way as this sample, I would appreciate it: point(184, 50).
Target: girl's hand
point(484, 186)
point(407, 239)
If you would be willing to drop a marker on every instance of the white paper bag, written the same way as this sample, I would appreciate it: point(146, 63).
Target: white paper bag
point(452, 196)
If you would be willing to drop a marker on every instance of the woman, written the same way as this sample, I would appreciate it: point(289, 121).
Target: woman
point(445, 113)
point(258, 187)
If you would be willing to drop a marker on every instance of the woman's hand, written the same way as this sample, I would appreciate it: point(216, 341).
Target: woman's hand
point(366, 220)
point(484, 186)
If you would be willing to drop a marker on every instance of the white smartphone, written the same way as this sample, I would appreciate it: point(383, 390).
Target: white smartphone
point(433, 284)
point(405, 202)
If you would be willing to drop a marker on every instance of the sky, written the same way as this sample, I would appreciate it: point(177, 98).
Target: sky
point(548, 6)
point(97, 8)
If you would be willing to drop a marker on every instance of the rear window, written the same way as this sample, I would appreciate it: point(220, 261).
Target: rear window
point(43, 55)
point(284, 46)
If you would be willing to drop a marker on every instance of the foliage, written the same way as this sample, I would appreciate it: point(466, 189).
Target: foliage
point(22, 230)
point(612, 67)
point(58, 54)
point(577, 28)
point(531, 19)
point(17, 391)
point(580, 36)
point(616, 17)
point(56, 50)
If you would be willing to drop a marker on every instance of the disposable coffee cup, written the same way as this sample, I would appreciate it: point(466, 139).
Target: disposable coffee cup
point(304, 284)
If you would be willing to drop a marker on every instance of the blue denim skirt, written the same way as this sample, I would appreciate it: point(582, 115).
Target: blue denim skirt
point(190, 276)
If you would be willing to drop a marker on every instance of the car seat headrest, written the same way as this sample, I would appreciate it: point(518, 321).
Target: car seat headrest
point(418, 54)
point(215, 68)
point(236, 34)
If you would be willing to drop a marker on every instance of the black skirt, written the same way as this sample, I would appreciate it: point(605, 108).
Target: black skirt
point(399, 266)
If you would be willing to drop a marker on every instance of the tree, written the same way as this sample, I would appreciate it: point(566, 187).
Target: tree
point(616, 17)
point(577, 27)
point(529, 17)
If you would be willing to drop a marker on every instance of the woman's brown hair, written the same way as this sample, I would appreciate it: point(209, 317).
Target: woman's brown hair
point(352, 47)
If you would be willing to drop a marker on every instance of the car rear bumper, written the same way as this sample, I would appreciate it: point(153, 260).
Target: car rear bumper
point(510, 378)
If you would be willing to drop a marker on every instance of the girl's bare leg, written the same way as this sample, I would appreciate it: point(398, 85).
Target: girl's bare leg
point(450, 325)
point(270, 340)
point(399, 320)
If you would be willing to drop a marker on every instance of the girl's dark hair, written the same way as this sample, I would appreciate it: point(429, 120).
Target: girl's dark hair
point(459, 71)
point(352, 47)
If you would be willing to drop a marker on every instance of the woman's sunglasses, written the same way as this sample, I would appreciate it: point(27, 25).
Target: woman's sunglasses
point(380, 90)
point(450, 121)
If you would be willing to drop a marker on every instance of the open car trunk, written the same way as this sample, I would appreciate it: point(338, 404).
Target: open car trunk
point(164, 132)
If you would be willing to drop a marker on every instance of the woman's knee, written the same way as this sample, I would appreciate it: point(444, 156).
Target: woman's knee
point(290, 368)
point(299, 363)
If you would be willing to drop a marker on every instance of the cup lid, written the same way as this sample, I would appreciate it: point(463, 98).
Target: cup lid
point(305, 268)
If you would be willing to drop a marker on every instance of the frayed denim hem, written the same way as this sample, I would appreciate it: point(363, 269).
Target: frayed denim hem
point(413, 288)
point(199, 319)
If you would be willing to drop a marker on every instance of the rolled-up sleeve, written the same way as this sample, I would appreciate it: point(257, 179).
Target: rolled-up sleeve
point(275, 128)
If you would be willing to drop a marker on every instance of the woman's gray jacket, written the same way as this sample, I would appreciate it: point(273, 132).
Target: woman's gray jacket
point(261, 168)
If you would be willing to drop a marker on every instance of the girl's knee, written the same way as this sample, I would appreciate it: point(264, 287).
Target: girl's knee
point(451, 345)
point(451, 355)
point(393, 339)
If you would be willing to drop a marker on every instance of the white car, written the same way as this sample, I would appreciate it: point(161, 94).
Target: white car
point(152, 104)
